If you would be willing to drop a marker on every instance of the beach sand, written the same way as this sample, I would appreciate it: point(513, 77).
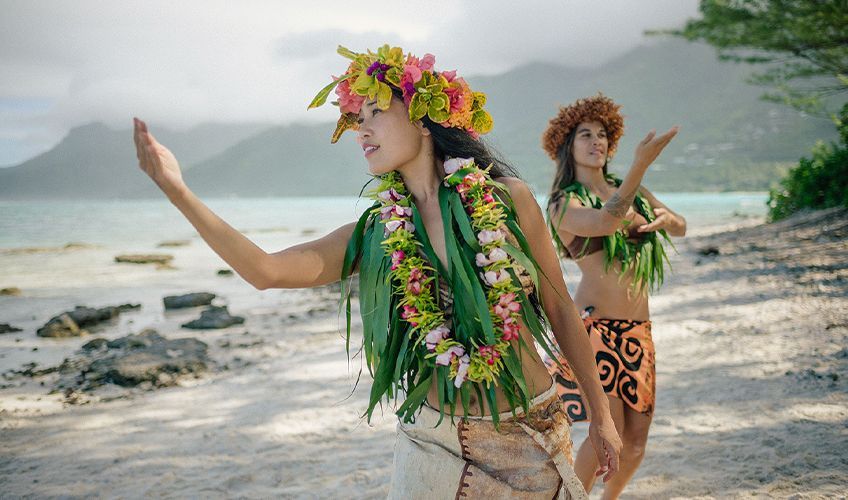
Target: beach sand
point(752, 381)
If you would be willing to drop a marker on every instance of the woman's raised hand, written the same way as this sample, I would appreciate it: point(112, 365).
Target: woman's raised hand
point(651, 147)
point(157, 161)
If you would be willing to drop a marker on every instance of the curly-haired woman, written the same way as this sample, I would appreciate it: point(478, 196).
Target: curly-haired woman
point(614, 230)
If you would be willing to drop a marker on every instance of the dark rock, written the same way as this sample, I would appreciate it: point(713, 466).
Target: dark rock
point(7, 328)
point(708, 251)
point(162, 259)
point(87, 316)
point(214, 317)
point(225, 272)
point(70, 323)
point(12, 290)
point(188, 300)
point(146, 359)
point(61, 326)
point(94, 344)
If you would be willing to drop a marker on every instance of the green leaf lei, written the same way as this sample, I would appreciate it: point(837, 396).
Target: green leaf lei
point(408, 339)
point(644, 257)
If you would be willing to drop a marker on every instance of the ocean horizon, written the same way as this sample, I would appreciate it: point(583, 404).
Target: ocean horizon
point(146, 222)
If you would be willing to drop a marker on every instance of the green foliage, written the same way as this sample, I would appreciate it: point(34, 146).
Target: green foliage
point(803, 45)
point(817, 182)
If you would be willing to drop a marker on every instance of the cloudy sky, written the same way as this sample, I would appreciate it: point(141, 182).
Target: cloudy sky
point(180, 63)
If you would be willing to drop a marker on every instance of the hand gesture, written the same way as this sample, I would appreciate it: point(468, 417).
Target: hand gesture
point(607, 445)
point(157, 161)
point(651, 147)
point(664, 220)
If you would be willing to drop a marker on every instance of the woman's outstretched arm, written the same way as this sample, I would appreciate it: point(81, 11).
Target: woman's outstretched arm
point(314, 263)
point(566, 324)
point(587, 221)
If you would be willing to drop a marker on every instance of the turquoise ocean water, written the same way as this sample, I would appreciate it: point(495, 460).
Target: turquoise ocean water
point(145, 222)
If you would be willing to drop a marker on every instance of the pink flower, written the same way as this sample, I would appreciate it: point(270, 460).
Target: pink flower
point(449, 75)
point(390, 195)
point(401, 211)
point(446, 357)
point(510, 330)
point(489, 354)
point(414, 287)
point(457, 98)
point(394, 225)
point(462, 371)
point(474, 178)
point(349, 102)
point(506, 305)
point(454, 164)
point(495, 277)
point(408, 313)
point(397, 257)
point(416, 274)
point(486, 236)
point(496, 255)
point(482, 260)
point(435, 336)
point(427, 62)
point(488, 198)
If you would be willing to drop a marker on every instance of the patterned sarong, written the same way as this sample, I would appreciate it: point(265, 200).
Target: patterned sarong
point(624, 353)
point(529, 458)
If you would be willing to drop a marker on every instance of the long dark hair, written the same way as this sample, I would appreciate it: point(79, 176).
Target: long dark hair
point(565, 170)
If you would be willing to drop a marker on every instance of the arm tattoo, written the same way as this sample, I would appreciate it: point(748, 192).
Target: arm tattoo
point(617, 205)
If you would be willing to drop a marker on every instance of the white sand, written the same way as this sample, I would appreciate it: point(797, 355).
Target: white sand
point(730, 421)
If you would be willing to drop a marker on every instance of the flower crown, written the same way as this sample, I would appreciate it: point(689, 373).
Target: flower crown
point(442, 96)
point(596, 108)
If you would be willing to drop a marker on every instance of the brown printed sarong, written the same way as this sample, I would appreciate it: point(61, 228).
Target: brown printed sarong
point(624, 353)
point(530, 457)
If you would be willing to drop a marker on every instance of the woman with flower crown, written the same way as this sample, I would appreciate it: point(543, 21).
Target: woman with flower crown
point(457, 279)
point(615, 230)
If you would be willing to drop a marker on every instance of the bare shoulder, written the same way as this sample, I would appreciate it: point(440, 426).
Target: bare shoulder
point(519, 191)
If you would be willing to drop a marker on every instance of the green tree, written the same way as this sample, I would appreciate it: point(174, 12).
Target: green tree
point(802, 45)
point(817, 182)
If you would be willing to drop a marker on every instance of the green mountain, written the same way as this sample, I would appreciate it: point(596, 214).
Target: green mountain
point(291, 160)
point(95, 161)
point(729, 138)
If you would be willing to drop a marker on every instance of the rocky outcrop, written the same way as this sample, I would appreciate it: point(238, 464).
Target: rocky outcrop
point(146, 359)
point(71, 323)
point(214, 317)
point(188, 300)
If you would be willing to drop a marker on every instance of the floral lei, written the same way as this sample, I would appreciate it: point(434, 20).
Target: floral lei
point(468, 351)
point(441, 96)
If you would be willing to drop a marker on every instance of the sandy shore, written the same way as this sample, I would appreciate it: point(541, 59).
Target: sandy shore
point(752, 379)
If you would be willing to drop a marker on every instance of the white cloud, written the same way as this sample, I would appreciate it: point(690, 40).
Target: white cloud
point(183, 63)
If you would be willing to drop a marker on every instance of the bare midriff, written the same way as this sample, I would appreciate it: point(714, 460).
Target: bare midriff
point(609, 293)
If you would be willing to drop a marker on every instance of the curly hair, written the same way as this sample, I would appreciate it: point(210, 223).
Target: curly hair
point(598, 108)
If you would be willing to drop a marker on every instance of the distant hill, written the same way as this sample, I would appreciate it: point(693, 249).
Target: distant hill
point(292, 160)
point(95, 161)
point(740, 141)
point(729, 140)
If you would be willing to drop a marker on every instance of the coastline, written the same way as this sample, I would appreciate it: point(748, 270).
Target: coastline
point(752, 382)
